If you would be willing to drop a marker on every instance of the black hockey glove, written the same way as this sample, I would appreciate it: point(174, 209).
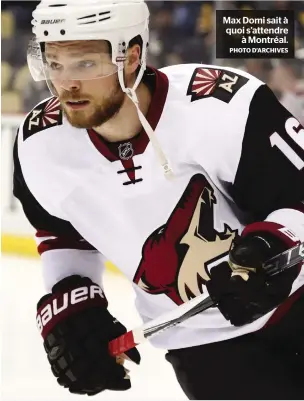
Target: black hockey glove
point(76, 327)
point(242, 291)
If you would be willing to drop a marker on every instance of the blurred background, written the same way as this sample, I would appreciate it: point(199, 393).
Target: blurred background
point(181, 32)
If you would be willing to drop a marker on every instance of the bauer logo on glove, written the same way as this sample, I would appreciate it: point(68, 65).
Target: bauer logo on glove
point(66, 303)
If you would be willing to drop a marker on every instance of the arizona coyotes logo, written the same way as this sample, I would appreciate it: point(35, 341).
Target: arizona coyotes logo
point(177, 257)
point(211, 82)
point(45, 115)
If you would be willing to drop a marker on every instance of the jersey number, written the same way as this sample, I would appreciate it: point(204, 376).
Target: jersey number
point(292, 127)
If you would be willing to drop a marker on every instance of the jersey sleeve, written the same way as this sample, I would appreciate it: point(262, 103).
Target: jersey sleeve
point(62, 249)
point(269, 180)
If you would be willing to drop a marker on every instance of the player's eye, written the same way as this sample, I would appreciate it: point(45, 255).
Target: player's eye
point(86, 64)
point(52, 65)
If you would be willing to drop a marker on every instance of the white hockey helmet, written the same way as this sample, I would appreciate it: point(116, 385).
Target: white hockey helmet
point(117, 21)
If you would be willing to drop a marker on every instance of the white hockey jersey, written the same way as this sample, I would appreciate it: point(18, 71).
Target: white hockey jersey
point(237, 156)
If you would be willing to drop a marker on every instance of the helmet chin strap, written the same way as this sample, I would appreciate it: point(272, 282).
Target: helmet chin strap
point(131, 93)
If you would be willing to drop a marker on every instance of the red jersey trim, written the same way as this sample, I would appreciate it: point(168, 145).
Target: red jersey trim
point(62, 242)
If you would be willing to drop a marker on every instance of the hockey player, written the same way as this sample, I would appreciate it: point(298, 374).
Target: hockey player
point(169, 174)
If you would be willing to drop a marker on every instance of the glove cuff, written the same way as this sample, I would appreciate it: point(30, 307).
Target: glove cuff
point(82, 293)
point(287, 236)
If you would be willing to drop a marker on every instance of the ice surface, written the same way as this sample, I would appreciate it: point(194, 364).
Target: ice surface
point(25, 372)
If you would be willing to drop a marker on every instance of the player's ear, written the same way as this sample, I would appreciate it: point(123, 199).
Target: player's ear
point(133, 60)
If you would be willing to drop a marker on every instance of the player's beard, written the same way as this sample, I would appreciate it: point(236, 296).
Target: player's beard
point(98, 112)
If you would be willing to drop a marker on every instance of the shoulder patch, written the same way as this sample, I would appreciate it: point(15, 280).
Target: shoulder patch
point(46, 115)
point(211, 82)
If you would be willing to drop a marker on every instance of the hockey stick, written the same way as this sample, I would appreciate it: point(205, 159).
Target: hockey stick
point(119, 345)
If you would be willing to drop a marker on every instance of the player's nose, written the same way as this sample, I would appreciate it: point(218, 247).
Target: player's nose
point(70, 84)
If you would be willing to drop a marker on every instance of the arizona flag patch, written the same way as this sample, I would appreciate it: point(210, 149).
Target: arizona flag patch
point(211, 82)
point(46, 115)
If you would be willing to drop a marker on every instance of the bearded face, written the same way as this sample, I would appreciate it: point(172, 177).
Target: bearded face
point(85, 81)
point(85, 110)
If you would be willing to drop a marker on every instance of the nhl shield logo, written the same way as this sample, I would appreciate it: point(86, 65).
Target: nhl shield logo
point(125, 151)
